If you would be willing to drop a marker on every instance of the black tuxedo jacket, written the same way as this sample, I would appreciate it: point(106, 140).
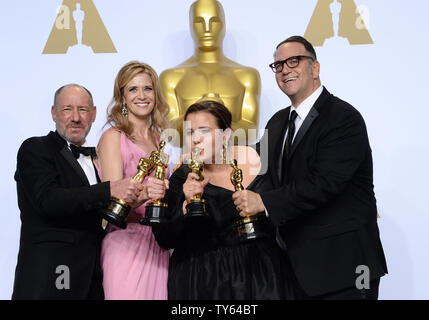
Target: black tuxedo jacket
point(60, 225)
point(325, 206)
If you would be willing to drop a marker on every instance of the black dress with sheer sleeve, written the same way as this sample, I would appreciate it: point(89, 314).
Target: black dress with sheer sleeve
point(209, 261)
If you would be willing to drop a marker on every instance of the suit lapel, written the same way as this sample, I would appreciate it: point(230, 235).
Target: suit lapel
point(312, 115)
point(96, 172)
point(276, 136)
point(68, 156)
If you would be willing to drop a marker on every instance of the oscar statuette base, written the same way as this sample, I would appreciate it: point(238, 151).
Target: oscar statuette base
point(196, 209)
point(249, 228)
point(116, 213)
point(155, 214)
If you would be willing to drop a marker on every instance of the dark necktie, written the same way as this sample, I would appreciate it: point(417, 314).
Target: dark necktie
point(289, 138)
point(86, 151)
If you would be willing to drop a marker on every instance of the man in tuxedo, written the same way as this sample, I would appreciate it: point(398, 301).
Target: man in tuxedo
point(322, 198)
point(59, 195)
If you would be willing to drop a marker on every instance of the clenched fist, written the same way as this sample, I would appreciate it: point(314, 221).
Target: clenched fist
point(127, 190)
point(155, 188)
point(248, 203)
point(192, 187)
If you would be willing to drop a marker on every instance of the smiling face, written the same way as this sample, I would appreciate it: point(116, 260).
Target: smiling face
point(73, 114)
point(202, 131)
point(139, 96)
point(207, 21)
point(300, 82)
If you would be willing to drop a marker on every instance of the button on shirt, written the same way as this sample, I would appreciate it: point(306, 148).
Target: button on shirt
point(87, 166)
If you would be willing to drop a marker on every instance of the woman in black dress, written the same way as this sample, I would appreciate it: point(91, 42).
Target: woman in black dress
point(210, 260)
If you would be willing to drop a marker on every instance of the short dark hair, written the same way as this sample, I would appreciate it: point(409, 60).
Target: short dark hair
point(218, 110)
point(57, 93)
point(308, 46)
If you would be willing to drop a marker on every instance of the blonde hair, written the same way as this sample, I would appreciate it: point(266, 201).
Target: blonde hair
point(114, 111)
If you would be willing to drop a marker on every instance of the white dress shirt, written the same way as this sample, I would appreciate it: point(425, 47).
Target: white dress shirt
point(302, 110)
point(87, 166)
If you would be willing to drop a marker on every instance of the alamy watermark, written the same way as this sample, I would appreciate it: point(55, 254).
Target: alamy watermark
point(363, 21)
point(62, 282)
point(205, 137)
point(363, 280)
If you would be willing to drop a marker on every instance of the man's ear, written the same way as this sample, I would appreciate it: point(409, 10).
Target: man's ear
point(54, 115)
point(315, 68)
point(94, 113)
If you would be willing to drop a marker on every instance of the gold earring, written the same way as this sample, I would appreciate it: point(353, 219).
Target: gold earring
point(124, 110)
point(225, 146)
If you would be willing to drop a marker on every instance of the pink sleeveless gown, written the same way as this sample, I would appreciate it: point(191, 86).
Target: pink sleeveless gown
point(134, 266)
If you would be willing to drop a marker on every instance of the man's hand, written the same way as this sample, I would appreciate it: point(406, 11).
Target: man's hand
point(127, 190)
point(248, 203)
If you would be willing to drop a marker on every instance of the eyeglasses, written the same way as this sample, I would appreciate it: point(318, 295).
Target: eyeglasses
point(291, 62)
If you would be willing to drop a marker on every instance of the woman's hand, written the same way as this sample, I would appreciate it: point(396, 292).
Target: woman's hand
point(153, 189)
point(156, 188)
point(192, 186)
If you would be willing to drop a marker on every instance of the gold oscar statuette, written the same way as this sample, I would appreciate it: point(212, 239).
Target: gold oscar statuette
point(118, 210)
point(208, 73)
point(155, 210)
point(246, 227)
point(197, 205)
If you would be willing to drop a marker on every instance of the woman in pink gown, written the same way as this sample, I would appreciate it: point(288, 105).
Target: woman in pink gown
point(134, 266)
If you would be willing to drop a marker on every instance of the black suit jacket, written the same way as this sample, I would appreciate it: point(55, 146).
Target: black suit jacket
point(325, 207)
point(60, 225)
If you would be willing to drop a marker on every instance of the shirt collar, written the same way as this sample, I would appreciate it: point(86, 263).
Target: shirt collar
point(81, 156)
point(83, 145)
point(304, 108)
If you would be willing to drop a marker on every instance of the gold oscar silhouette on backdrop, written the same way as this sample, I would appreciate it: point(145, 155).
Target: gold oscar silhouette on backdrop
point(337, 20)
point(208, 73)
point(78, 27)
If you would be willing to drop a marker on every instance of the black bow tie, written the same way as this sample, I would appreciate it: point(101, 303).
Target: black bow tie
point(86, 151)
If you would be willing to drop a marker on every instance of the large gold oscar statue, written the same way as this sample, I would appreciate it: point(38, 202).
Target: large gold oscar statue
point(208, 73)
